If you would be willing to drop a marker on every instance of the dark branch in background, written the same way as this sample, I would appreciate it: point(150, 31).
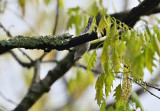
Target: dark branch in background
point(38, 89)
point(25, 55)
point(134, 15)
point(24, 64)
point(7, 32)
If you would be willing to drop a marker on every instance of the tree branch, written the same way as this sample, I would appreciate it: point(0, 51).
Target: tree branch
point(145, 7)
point(37, 89)
point(128, 19)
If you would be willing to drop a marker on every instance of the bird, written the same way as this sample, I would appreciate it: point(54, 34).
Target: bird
point(83, 48)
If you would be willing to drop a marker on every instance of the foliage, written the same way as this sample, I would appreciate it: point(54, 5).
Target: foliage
point(128, 51)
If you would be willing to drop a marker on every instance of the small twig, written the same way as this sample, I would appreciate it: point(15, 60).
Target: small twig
point(7, 32)
point(42, 56)
point(144, 88)
point(10, 101)
point(25, 55)
point(149, 85)
point(28, 65)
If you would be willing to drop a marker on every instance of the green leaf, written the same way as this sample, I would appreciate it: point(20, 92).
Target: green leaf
point(102, 24)
point(108, 81)
point(22, 4)
point(115, 61)
point(136, 100)
point(107, 66)
point(73, 10)
point(111, 108)
point(99, 89)
point(92, 61)
point(93, 11)
point(93, 26)
point(61, 3)
point(75, 20)
point(137, 67)
point(156, 44)
point(105, 51)
point(149, 57)
point(108, 21)
point(157, 31)
point(121, 50)
point(118, 92)
point(132, 46)
point(103, 106)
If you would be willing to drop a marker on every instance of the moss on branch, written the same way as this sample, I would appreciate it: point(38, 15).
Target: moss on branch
point(47, 42)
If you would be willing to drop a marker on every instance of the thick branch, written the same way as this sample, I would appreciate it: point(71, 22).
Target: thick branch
point(145, 7)
point(38, 89)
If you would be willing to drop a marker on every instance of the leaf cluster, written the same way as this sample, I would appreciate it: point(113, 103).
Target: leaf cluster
point(127, 53)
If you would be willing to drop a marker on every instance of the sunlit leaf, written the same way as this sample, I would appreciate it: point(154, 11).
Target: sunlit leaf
point(149, 57)
point(99, 89)
point(108, 21)
point(105, 51)
point(108, 81)
point(92, 61)
point(138, 66)
point(157, 31)
point(156, 44)
point(75, 20)
point(132, 46)
point(103, 105)
point(121, 50)
point(102, 24)
point(118, 92)
point(93, 26)
point(73, 10)
point(93, 11)
point(115, 61)
point(111, 108)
